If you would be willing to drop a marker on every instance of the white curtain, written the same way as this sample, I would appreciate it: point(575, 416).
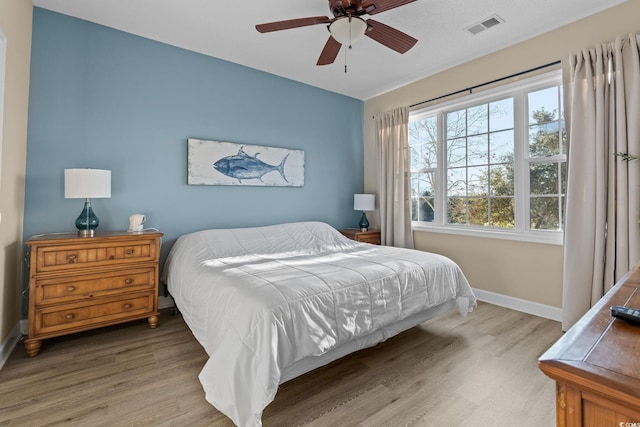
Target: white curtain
point(392, 140)
point(602, 234)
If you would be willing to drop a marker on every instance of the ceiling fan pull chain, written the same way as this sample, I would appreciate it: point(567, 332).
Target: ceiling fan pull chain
point(345, 51)
point(345, 61)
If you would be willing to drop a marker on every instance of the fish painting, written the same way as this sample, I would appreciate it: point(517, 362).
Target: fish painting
point(243, 166)
point(229, 163)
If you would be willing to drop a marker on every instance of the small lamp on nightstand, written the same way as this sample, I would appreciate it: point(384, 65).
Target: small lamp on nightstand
point(86, 184)
point(364, 202)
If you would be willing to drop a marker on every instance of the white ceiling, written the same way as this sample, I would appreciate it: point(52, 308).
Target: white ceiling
point(226, 30)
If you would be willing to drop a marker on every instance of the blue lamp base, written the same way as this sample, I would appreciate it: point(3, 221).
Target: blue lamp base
point(364, 222)
point(87, 222)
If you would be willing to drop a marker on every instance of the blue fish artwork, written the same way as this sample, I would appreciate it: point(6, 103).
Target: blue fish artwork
point(229, 163)
point(243, 166)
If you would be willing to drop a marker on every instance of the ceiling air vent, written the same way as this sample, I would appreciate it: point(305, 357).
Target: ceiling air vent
point(492, 21)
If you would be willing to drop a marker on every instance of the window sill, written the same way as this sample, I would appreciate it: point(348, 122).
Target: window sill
point(544, 237)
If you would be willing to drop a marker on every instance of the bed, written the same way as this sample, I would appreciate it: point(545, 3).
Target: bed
point(271, 303)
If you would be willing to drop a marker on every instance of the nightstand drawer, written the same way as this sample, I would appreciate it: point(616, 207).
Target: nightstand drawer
point(371, 236)
point(75, 288)
point(68, 257)
point(57, 318)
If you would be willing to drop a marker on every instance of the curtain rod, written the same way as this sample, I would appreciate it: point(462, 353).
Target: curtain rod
point(470, 89)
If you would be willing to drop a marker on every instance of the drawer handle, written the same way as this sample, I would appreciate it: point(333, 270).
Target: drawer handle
point(71, 259)
point(129, 251)
point(71, 288)
point(127, 306)
point(112, 257)
point(128, 281)
point(70, 316)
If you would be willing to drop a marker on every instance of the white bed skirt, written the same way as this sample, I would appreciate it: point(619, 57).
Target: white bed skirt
point(308, 364)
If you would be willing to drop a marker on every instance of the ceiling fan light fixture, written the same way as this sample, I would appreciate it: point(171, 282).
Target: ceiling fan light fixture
point(346, 30)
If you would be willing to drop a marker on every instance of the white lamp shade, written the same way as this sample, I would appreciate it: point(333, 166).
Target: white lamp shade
point(347, 30)
point(87, 183)
point(364, 202)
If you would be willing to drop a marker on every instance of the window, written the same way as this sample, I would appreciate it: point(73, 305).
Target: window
point(493, 163)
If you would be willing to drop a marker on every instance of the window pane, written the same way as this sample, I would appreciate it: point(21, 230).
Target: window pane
point(457, 182)
point(426, 209)
point(422, 197)
point(544, 140)
point(543, 178)
point(478, 184)
point(503, 212)
point(422, 183)
point(423, 142)
point(543, 102)
point(501, 146)
point(478, 211)
point(456, 124)
point(477, 120)
point(457, 210)
point(477, 150)
point(501, 180)
point(457, 152)
point(545, 213)
point(501, 115)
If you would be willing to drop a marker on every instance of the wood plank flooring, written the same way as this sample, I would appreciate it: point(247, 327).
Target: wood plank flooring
point(480, 370)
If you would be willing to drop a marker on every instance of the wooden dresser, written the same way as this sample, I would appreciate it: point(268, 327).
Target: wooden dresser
point(596, 364)
point(371, 236)
point(80, 283)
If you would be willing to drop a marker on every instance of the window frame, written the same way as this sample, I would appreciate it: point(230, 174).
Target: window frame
point(518, 91)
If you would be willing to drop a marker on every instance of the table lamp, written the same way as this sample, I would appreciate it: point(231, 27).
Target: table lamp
point(364, 202)
point(86, 184)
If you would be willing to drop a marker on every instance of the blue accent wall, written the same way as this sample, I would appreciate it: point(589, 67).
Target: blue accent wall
point(105, 99)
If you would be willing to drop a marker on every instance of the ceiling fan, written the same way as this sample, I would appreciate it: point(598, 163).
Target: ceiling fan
point(347, 25)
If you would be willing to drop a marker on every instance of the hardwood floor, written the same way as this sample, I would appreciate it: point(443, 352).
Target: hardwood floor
point(475, 371)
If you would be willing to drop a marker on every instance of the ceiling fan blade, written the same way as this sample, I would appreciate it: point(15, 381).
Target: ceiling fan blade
point(292, 23)
point(376, 6)
point(330, 52)
point(389, 36)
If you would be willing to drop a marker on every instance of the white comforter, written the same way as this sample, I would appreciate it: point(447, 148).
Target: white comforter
point(261, 299)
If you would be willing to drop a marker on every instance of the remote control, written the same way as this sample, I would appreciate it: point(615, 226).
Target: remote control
point(626, 313)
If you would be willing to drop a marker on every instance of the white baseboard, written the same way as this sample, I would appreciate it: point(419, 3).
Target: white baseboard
point(530, 307)
point(9, 343)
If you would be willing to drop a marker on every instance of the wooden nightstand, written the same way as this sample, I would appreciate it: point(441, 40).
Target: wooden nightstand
point(81, 283)
point(371, 236)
